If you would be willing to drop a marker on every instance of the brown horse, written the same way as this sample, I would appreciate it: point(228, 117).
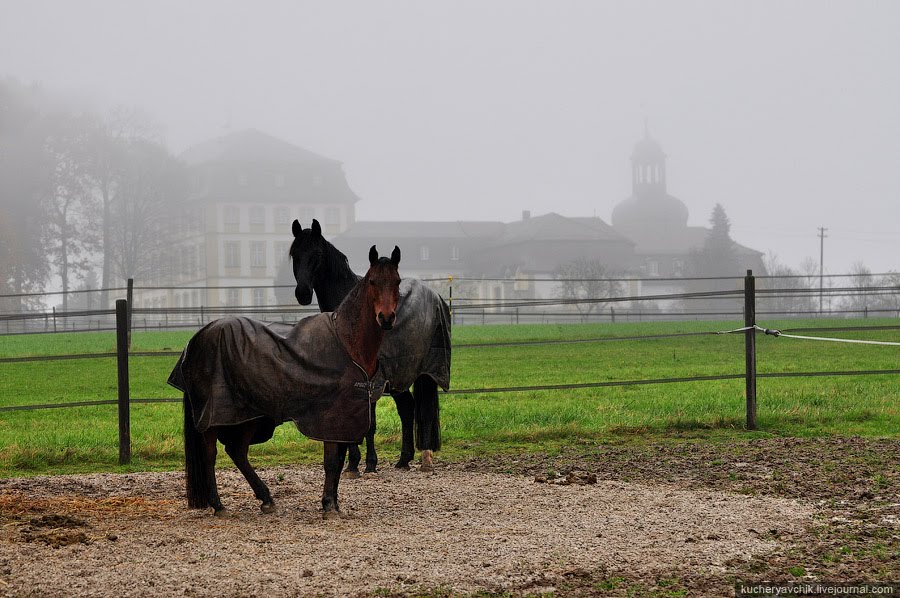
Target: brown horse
point(241, 380)
point(416, 354)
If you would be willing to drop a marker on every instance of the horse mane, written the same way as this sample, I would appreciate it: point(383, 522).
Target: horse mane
point(337, 262)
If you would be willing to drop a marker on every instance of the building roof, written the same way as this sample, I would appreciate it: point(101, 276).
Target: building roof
point(678, 241)
point(250, 145)
point(421, 229)
point(647, 150)
point(553, 227)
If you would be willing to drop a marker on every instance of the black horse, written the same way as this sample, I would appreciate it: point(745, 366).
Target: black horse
point(241, 379)
point(416, 354)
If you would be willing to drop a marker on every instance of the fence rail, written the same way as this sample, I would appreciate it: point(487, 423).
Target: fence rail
point(124, 320)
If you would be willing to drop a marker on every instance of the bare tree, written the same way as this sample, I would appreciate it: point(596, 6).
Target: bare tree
point(890, 300)
point(23, 257)
point(150, 185)
point(860, 299)
point(793, 289)
point(583, 279)
point(111, 137)
point(67, 200)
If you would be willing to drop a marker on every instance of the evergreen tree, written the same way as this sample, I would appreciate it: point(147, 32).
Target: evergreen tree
point(717, 257)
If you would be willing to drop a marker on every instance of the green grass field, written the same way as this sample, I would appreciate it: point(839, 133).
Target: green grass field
point(85, 438)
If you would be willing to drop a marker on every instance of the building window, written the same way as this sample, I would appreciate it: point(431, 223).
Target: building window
point(232, 215)
point(232, 254)
point(652, 268)
point(232, 297)
point(282, 215)
point(332, 220)
point(257, 254)
point(242, 179)
point(257, 215)
point(317, 180)
point(423, 253)
point(259, 297)
point(279, 180)
point(677, 267)
point(281, 251)
point(454, 253)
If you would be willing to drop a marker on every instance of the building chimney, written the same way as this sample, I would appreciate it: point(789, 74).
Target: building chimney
point(526, 214)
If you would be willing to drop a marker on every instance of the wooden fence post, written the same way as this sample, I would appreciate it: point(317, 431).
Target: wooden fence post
point(129, 298)
point(122, 362)
point(750, 347)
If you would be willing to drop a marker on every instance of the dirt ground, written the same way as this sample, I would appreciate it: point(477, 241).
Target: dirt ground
point(673, 519)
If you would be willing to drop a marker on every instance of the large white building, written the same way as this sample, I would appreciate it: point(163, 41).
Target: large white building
point(234, 230)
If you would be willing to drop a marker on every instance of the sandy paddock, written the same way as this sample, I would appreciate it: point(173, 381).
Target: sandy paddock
point(131, 535)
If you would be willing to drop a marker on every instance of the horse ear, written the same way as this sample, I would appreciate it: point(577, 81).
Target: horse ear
point(316, 228)
point(373, 256)
point(296, 228)
point(395, 256)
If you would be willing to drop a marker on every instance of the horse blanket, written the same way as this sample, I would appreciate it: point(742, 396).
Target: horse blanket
point(237, 369)
point(420, 340)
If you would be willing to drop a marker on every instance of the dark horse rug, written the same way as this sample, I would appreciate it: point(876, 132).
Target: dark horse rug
point(420, 340)
point(237, 369)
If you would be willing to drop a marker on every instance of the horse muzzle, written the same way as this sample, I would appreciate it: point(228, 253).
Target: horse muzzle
point(386, 322)
point(303, 295)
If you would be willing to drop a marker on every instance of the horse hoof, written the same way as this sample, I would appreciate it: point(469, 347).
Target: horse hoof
point(350, 475)
point(402, 465)
point(370, 470)
point(331, 515)
point(221, 512)
point(267, 507)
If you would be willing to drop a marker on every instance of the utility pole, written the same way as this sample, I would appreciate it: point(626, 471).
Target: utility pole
point(822, 236)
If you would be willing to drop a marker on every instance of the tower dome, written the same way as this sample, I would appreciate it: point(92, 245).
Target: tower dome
point(649, 208)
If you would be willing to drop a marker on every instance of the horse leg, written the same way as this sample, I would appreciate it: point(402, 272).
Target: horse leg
point(371, 455)
point(354, 457)
point(404, 401)
point(332, 462)
point(209, 458)
point(196, 462)
point(427, 420)
point(238, 449)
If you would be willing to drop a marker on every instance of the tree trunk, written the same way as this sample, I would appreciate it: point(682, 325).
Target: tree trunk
point(107, 261)
point(64, 267)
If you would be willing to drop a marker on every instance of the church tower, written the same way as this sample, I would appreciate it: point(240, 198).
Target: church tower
point(648, 168)
point(650, 210)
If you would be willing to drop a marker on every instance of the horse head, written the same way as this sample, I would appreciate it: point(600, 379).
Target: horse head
point(382, 286)
point(307, 257)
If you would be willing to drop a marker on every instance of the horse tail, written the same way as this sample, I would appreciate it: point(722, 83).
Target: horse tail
point(196, 479)
point(427, 413)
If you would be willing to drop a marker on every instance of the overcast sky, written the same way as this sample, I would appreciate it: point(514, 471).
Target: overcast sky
point(786, 113)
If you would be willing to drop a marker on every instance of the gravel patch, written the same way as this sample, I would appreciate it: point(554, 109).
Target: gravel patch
point(131, 535)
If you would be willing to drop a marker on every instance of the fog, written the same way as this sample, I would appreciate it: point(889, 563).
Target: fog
point(785, 113)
